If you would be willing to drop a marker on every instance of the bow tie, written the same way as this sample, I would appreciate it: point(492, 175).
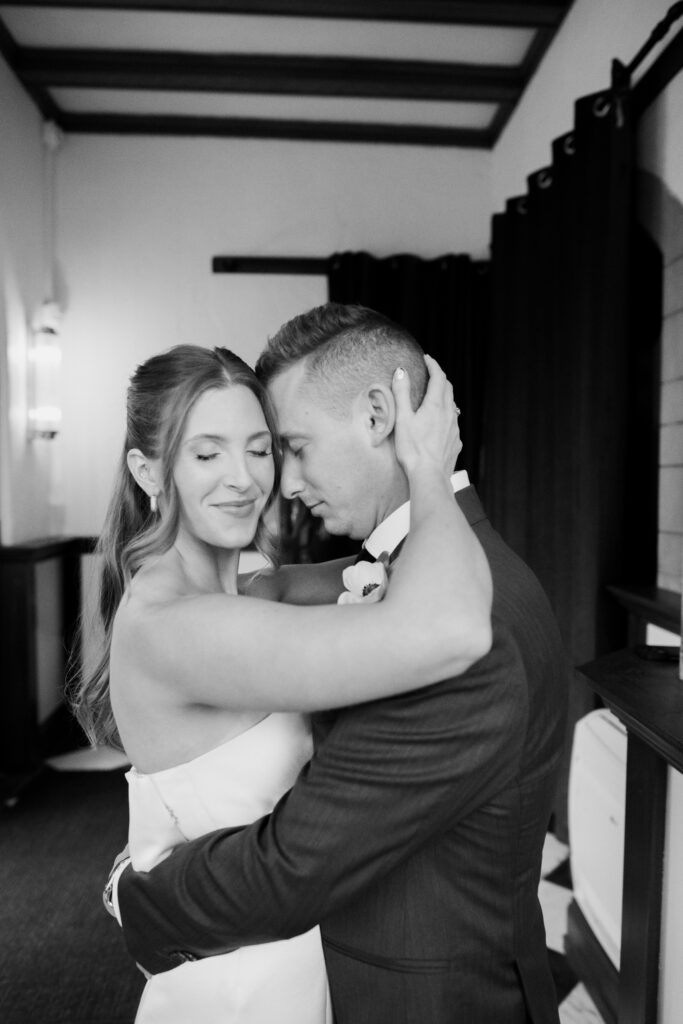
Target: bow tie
point(365, 556)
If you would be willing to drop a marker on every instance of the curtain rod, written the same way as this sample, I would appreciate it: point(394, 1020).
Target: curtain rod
point(270, 265)
point(665, 67)
point(300, 264)
point(657, 77)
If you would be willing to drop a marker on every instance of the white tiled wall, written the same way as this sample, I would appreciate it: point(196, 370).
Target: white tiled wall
point(660, 159)
point(670, 545)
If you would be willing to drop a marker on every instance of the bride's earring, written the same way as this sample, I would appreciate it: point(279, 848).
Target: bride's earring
point(153, 504)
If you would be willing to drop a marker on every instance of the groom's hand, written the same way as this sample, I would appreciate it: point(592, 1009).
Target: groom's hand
point(122, 862)
point(148, 961)
point(160, 911)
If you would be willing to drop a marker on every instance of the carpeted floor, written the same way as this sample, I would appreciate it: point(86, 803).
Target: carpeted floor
point(62, 959)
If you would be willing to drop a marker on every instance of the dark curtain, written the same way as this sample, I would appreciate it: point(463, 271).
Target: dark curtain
point(569, 456)
point(445, 304)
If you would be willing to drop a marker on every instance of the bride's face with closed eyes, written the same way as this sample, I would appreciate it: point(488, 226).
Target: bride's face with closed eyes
point(224, 471)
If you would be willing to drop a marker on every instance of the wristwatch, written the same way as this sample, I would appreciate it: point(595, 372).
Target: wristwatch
point(110, 893)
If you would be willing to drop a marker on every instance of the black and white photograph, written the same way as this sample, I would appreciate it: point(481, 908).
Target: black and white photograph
point(341, 512)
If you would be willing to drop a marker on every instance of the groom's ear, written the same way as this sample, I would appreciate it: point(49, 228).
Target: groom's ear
point(379, 413)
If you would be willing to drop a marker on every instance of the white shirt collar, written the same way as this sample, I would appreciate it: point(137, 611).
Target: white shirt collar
point(389, 534)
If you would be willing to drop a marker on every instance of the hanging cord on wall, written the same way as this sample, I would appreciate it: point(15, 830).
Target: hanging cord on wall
point(622, 73)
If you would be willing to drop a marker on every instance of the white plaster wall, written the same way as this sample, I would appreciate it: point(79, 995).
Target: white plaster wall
point(660, 149)
point(577, 63)
point(661, 157)
point(671, 989)
point(140, 219)
point(26, 469)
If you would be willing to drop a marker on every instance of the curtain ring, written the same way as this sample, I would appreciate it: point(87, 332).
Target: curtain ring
point(621, 119)
point(544, 179)
point(522, 205)
point(568, 145)
point(601, 106)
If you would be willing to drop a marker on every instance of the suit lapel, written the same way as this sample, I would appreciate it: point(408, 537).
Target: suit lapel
point(469, 502)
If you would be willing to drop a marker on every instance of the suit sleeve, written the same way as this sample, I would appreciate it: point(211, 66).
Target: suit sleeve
point(389, 776)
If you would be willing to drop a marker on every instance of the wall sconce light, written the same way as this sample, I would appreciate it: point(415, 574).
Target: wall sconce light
point(44, 350)
point(44, 362)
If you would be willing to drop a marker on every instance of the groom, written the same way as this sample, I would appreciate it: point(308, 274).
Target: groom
point(414, 838)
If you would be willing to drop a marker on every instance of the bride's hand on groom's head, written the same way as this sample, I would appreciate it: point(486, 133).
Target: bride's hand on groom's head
point(431, 432)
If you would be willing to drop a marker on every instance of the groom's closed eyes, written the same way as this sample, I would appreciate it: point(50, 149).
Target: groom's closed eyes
point(292, 444)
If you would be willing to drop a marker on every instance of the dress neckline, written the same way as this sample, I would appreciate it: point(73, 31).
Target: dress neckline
point(207, 754)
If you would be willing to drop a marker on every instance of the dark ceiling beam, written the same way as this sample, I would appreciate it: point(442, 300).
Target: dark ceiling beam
point(8, 46)
point(447, 12)
point(267, 74)
point(254, 128)
point(40, 96)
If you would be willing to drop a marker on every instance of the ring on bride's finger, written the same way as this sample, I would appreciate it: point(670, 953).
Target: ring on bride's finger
point(457, 411)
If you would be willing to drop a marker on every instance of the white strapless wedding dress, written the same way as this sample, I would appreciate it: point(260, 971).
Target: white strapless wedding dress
point(280, 982)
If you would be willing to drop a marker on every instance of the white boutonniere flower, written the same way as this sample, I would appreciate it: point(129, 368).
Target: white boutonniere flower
point(365, 582)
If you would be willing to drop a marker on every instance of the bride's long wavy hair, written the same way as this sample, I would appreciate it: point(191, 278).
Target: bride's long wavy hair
point(161, 394)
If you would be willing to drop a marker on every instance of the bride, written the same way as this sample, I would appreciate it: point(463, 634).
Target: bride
point(206, 689)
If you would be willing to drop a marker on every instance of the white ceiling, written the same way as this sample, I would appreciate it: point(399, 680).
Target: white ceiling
point(90, 68)
point(213, 33)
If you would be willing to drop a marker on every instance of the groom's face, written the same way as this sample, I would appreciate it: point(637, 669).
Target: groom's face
point(327, 461)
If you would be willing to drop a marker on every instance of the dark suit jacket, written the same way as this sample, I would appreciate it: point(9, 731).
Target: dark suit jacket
point(414, 838)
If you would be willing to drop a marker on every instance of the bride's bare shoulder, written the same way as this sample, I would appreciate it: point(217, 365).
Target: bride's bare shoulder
point(157, 584)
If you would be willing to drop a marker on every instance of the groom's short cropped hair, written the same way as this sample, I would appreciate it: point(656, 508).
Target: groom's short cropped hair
point(345, 348)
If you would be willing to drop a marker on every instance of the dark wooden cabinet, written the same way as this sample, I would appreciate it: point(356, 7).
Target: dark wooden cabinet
point(22, 575)
point(647, 696)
